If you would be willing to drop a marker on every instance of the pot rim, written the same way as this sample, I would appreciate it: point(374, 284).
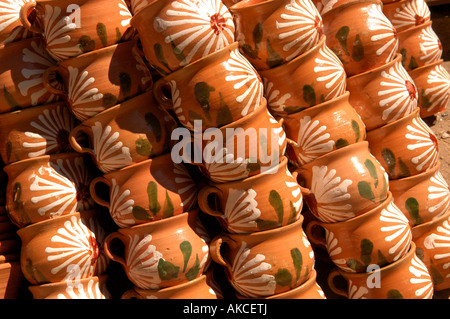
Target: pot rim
point(430, 224)
point(30, 109)
point(397, 59)
point(400, 121)
point(351, 3)
point(181, 286)
point(408, 179)
point(424, 68)
point(405, 33)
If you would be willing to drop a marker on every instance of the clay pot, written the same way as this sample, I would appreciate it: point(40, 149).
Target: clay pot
point(405, 147)
point(432, 246)
point(137, 5)
point(377, 237)
point(364, 43)
point(323, 6)
point(316, 76)
point(11, 27)
point(98, 80)
point(383, 95)
point(407, 278)
point(73, 27)
point(322, 129)
point(87, 288)
point(162, 253)
point(261, 202)
point(11, 279)
point(128, 133)
point(216, 90)
point(419, 46)
point(266, 263)
point(153, 189)
point(36, 131)
point(177, 33)
point(271, 33)
point(422, 197)
point(343, 184)
point(63, 248)
point(406, 14)
point(433, 84)
point(21, 70)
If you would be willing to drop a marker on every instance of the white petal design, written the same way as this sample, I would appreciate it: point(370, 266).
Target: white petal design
point(9, 14)
point(355, 292)
point(121, 205)
point(95, 226)
point(421, 279)
point(187, 188)
point(296, 192)
point(177, 107)
point(138, 5)
point(334, 249)
point(241, 211)
point(323, 6)
point(441, 241)
point(430, 46)
point(224, 167)
point(125, 13)
point(412, 13)
point(439, 195)
point(329, 69)
point(84, 290)
point(275, 100)
point(438, 92)
point(146, 79)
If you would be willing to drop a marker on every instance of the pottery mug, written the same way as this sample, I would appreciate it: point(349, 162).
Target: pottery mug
point(321, 129)
point(162, 253)
point(153, 189)
point(271, 33)
point(177, 33)
point(404, 147)
point(214, 91)
point(265, 201)
point(406, 14)
point(97, 80)
point(406, 278)
point(11, 29)
point(125, 134)
point(74, 27)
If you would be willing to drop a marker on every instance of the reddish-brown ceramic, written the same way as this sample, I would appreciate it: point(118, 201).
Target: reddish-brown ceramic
point(432, 246)
point(406, 14)
point(383, 94)
point(97, 80)
point(11, 280)
point(73, 27)
point(35, 131)
point(322, 129)
point(125, 134)
point(315, 77)
point(377, 237)
point(361, 43)
point(11, 29)
point(177, 33)
point(162, 253)
point(404, 147)
point(323, 6)
point(407, 278)
point(344, 183)
point(422, 197)
point(266, 263)
point(87, 288)
point(419, 46)
point(137, 5)
point(63, 248)
point(23, 64)
point(153, 189)
point(433, 83)
point(215, 90)
point(48, 186)
point(261, 202)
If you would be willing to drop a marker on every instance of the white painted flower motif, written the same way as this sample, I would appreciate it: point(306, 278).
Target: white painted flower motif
point(187, 187)
point(241, 210)
point(84, 290)
point(438, 92)
point(277, 134)
point(247, 275)
point(430, 46)
point(412, 13)
point(138, 5)
point(422, 138)
point(421, 279)
point(9, 14)
point(301, 28)
point(334, 249)
point(243, 75)
point(439, 195)
point(100, 234)
point(224, 167)
point(177, 105)
point(323, 6)
point(307, 245)
point(335, 76)
point(121, 205)
point(440, 240)
point(276, 101)
point(398, 92)
point(146, 79)
point(110, 153)
point(125, 13)
point(355, 292)
point(296, 192)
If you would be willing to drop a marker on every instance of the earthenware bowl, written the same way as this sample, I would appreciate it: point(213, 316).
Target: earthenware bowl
point(406, 14)
point(11, 28)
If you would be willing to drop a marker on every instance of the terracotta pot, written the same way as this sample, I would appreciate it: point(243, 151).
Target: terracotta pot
point(422, 197)
point(266, 263)
point(11, 29)
point(322, 129)
point(128, 133)
point(407, 278)
point(36, 131)
point(323, 6)
point(404, 147)
point(316, 76)
point(154, 189)
point(343, 184)
point(21, 70)
point(87, 288)
point(377, 237)
point(257, 203)
point(63, 248)
point(11, 280)
point(383, 95)
point(73, 27)
point(433, 84)
point(177, 33)
point(364, 43)
point(162, 253)
point(271, 33)
point(406, 14)
point(218, 90)
point(137, 5)
point(432, 246)
point(419, 46)
point(48, 186)
point(98, 80)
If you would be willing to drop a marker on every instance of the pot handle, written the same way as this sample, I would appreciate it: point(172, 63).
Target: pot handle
point(202, 199)
point(214, 250)
point(312, 236)
point(130, 294)
point(75, 134)
point(92, 191)
point(23, 16)
point(305, 191)
point(107, 247)
point(160, 97)
point(330, 280)
point(47, 81)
